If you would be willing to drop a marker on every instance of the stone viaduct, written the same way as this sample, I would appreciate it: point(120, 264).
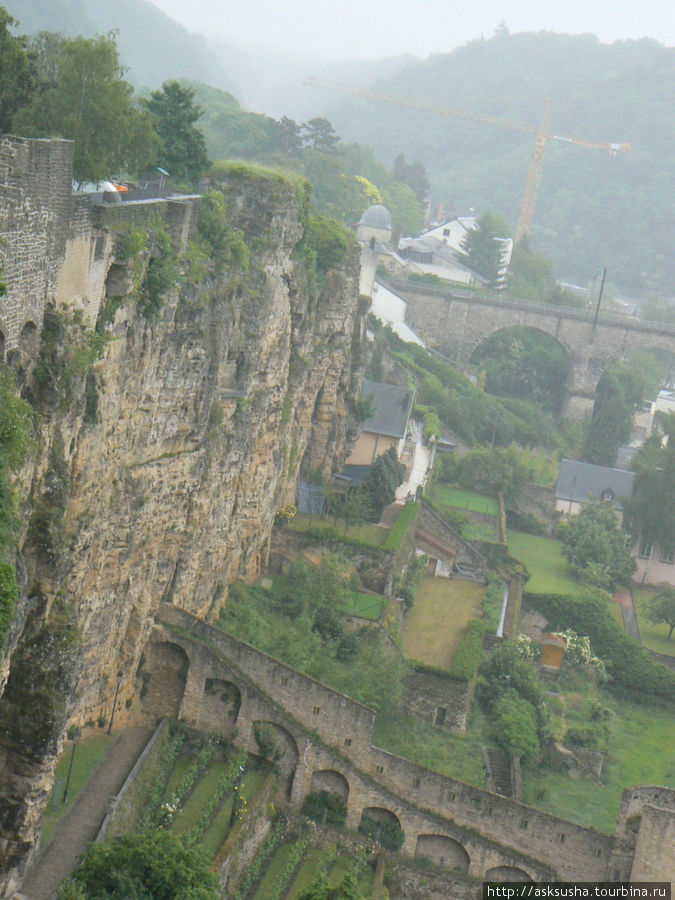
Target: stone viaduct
point(57, 246)
point(456, 321)
point(216, 683)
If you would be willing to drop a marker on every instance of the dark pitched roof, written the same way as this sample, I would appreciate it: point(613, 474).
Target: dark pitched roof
point(391, 407)
point(585, 483)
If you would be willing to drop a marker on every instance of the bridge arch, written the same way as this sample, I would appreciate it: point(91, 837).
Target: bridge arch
point(221, 702)
point(507, 873)
point(526, 362)
point(444, 851)
point(382, 825)
point(164, 669)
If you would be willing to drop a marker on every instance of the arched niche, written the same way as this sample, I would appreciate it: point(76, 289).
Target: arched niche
point(163, 670)
point(28, 339)
point(507, 873)
point(443, 851)
point(331, 782)
point(383, 826)
point(2, 347)
point(273, 742)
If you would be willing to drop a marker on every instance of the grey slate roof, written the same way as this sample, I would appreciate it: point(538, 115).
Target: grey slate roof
point(391, 407)
point(585, 483)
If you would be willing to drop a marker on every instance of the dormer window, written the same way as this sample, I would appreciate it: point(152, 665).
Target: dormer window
point(607, 496)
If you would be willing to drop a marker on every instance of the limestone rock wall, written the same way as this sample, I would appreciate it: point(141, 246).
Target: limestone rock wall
point(161, 465)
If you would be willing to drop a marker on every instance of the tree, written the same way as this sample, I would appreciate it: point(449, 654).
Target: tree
point(594, 546)
point(17, 76)
point(182, 149)
point(494, 469)
point(412, 174)
point(319, 134)
point(617, 396)
point(90, 103)
point(661, 608)
point(481, 251)
point(380, 484)
point(651, 508)
point(320, 889)
point(146, 866)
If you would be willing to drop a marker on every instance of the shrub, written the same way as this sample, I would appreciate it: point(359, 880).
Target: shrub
point(628, 664)
point(320, 803)
point(385, 831)
point(325, 241)
point(514, 726)
point(161, 275)
point(9, 594)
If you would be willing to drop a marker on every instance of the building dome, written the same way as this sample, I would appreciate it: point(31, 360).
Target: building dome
point(376, 217)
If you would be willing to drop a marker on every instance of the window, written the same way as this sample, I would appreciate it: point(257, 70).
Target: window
point(667, 555)
point(379, 769)
point(446, 232)
point(646, 549)
point(597, 851)
point(439, 718)
point(416, 782)
point(451, 796)
point(561, 838)
point(284, 679)
point(627, 540)
point(475, 802)
point(607, 496)
point(523, 823)
point(316, 710)
point(348, 742)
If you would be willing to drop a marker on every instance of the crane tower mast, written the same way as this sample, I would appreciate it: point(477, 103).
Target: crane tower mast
point(542, 134)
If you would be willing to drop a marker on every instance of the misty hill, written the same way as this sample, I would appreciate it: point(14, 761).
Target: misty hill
point(151, 45)
point(593, 209)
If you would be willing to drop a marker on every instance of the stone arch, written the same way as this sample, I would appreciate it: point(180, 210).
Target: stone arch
point(28, 339)
point(507, 873)
point(332, 782)
point(382, 825)
point(443, 851)
point(163, 669)
point(221, 702)
point(2, 347)
point(276, 743)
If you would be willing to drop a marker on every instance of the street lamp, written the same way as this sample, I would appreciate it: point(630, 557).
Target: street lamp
point(120, 679)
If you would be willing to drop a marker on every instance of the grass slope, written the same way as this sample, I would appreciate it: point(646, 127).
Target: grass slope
point(549, 570)
point(438, 618)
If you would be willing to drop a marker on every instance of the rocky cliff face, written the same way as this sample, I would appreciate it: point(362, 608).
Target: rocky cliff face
point(159, 471)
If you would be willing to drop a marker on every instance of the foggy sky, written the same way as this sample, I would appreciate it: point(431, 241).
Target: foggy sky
point(373, 29)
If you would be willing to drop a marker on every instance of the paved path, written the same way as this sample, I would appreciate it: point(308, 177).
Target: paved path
point(630, 621)
point(80, 824)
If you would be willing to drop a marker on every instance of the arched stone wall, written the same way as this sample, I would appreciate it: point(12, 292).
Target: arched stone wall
point(164, 672)
point(332, 782)
point(444, 851)
point(276, 743)
point(28, 339)
point(507, 873)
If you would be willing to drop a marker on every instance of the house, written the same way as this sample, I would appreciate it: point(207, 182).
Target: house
point(386, 426)
point(580, 483)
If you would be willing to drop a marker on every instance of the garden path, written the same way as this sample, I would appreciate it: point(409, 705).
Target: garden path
point(630, 622)
point(80, 824)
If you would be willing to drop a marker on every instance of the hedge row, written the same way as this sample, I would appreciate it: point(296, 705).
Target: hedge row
point(628, 664)
point(406, 519)
point(470, 650)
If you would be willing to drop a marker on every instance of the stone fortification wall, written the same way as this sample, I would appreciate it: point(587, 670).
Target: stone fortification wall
point(58, 246)
point(35, 209)
point(414, 792)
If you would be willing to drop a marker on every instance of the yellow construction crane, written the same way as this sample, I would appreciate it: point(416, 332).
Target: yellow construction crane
point(542, 134)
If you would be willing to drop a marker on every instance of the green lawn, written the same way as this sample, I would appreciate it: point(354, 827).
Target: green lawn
point(215, 834)
point(548, 568)
point(435, 624)
point(307, 872)
point(193, 807)
point(274, 872)
point(366, 534)
point(445, 495)
point(653, 636)
point(90, 751)
point(640, 752)
point(456, 755)
point(367, 605)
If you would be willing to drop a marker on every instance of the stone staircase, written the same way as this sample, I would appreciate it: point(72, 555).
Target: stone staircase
point(498, 772)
